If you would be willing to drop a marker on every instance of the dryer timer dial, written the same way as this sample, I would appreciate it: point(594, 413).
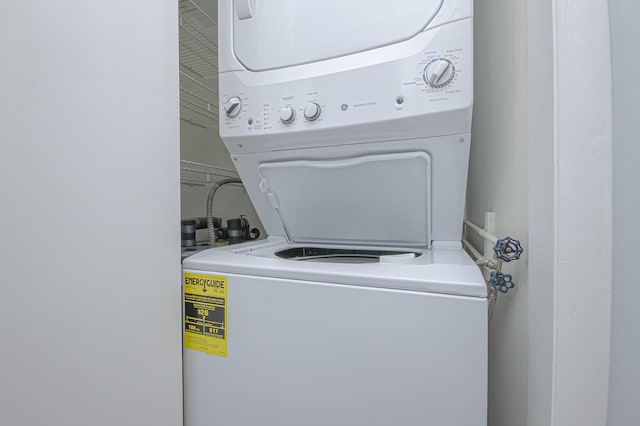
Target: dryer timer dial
point(439, 73)
point(233, 106)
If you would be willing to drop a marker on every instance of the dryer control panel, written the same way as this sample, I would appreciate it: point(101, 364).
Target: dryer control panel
point(426, 91)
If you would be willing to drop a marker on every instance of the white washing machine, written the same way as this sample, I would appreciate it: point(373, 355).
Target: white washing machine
point(349, 124)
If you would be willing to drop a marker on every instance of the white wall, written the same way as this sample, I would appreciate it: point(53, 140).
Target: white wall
point(498, 182)
point(89, 243)
point(624, 409)
point(542, 212)
point(583, 146)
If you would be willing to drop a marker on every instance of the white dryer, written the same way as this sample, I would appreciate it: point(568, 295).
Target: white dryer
point(349, 123)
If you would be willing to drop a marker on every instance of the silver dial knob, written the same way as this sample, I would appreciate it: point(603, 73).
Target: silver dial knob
point(287, 115)
point(439, 73)
point(233, 106)
point(312, 111)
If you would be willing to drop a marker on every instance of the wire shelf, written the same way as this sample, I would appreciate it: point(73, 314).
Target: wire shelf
point(199, 174)
point(198, 40)
point(198, 102)
point(198, 63)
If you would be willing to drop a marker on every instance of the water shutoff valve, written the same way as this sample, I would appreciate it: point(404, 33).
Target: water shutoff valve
point(501, 282)
point(508, 249)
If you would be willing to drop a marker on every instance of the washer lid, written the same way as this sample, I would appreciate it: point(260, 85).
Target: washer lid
point(370, 200)
point(281, 33)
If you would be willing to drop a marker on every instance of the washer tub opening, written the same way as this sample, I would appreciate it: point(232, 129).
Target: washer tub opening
point(338, 255)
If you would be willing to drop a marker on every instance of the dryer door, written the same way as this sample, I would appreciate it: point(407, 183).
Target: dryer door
point(370, 200)
point(271, 34)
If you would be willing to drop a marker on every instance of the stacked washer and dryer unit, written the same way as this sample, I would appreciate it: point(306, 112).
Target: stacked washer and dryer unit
point(349, 123)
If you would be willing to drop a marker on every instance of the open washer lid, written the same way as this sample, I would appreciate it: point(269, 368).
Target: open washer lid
point(369, 200)
point(280, 33)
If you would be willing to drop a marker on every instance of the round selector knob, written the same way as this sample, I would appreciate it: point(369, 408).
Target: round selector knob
point(233, 106)
point(439, 73)
point(312, 111)
point(287, 115)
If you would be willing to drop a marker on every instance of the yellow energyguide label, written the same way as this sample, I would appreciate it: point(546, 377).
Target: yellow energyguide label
point(205, 313)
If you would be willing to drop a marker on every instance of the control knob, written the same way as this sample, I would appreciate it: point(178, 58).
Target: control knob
point(312, 111)
point(287, 115)
point(233, 106)
point(439, 73)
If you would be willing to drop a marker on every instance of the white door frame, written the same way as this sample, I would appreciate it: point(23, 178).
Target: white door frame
point(570, 279)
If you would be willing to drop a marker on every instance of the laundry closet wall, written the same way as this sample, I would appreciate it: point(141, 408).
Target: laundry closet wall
point(625, 335)
point(498, 182)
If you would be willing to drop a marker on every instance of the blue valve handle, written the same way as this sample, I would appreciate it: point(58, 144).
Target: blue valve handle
point(501, 282)
point(508, 249)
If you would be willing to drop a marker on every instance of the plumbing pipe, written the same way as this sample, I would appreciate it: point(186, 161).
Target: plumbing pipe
point(484, 234)
point(188, 231)
point(475, 253)
point(234, 228)
point(199, 222)
point(483, 262)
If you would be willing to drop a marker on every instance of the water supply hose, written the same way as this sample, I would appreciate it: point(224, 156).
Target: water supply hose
point(210, 227)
